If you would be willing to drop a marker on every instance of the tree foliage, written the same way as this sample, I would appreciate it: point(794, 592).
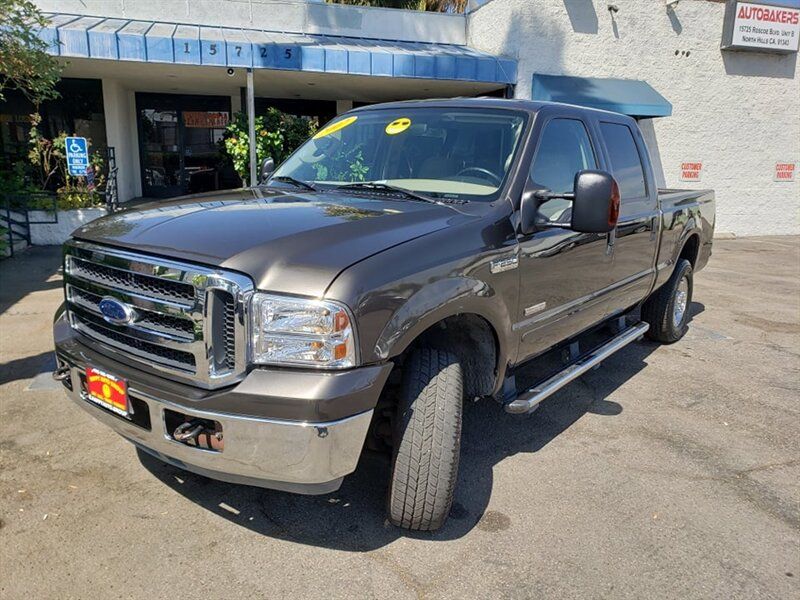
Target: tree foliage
point(277, 136)
point(25, 64)
point(456, 6)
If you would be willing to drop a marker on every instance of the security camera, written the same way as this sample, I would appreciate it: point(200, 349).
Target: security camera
point(231, 72)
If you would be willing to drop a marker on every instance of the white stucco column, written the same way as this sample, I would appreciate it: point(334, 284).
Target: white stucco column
point(343, 106)
point(119, 107)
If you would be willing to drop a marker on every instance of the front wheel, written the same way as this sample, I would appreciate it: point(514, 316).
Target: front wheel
point(667, 310)
point(427, 440)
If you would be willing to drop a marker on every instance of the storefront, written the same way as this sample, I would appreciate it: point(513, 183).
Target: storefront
point(179, 144)
point(713, 84)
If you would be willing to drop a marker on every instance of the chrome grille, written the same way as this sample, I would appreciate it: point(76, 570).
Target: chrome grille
point(229, 331)
point(136, 282)
point(186, 321)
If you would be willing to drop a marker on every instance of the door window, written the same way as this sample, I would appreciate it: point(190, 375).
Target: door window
point(626, 164)
point(565, 149)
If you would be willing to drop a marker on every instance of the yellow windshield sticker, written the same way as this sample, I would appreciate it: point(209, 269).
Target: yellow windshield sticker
point(334, 127)
point(398, 126)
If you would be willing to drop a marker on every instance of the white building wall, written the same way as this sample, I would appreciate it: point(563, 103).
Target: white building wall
point(119, 104)
point(295, 16)
point(738, 113)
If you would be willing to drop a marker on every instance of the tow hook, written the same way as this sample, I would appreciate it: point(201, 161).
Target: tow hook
point(61, 373)
point(195, 433)
point(188, 431)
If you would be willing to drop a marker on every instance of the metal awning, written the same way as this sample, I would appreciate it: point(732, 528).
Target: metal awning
point(627, 96)
point(148, 41)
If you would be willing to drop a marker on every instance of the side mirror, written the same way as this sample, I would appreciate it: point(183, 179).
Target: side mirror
point(595, 206)
point(528, 209)
point(267, 169)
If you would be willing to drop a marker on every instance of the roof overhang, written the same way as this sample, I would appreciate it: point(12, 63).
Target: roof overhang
point(631, 97)
point(159, 42)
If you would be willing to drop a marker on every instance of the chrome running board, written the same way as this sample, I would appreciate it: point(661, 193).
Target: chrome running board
point(529, 400)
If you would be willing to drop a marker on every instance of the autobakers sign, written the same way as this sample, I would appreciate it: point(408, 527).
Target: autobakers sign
point(761, 27)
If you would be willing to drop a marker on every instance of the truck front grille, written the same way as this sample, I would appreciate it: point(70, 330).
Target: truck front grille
point(185, 321)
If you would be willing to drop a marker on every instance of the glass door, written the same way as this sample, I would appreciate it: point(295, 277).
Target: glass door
point(161, 155)
point(180, 144)
point(202, 136)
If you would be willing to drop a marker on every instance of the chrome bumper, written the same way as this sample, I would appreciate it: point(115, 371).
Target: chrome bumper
point(307, 458)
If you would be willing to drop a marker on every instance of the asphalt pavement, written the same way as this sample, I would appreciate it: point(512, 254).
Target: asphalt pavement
point(671, 472)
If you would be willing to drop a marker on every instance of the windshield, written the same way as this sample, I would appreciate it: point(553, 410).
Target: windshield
point(459, 153)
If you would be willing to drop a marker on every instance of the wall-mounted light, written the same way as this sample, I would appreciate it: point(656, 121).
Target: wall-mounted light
point(613, 8)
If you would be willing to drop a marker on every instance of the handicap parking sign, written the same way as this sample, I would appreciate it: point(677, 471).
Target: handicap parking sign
point(77, 156)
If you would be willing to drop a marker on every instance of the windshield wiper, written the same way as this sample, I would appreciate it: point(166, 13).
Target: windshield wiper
point(375, 185)
point(295, 182)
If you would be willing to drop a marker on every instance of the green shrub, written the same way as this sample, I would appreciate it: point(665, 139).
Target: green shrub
point(277, 136)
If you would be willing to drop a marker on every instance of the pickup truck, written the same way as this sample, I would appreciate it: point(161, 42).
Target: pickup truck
point(407, 258)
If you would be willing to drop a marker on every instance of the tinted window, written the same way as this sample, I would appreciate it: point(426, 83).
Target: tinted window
point(626, 166)
point(564, 150)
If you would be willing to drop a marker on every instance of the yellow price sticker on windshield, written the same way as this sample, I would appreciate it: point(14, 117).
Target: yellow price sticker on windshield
point(334, 127)
point(398, 126)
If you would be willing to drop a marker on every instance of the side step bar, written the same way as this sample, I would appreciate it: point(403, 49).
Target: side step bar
point(528, 401)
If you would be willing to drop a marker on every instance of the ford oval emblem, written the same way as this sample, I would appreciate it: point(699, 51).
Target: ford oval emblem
point(116, 312)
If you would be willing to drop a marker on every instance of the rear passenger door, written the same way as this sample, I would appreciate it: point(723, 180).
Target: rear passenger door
point(562, 272)
point(636, 236)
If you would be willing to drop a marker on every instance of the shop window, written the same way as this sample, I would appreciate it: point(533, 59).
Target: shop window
point(77, 111)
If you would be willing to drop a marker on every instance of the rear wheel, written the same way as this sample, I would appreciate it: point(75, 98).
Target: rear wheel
point(427, 440)
point(667, 310)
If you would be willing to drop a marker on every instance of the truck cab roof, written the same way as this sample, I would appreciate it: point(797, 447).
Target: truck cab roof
point(529, 106)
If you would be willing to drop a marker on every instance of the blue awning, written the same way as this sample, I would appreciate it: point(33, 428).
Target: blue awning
point(148, 41)
point(627, 96)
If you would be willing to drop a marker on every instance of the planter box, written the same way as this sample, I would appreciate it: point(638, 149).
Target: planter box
point(68, 221)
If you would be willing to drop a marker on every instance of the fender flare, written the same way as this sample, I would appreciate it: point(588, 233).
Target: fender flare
point(442, 299)
point(691, 228)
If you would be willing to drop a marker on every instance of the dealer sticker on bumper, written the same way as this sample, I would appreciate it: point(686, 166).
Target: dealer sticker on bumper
point(107, 391)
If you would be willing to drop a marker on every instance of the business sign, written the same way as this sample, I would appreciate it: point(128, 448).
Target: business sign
point(761, 27)
point(207, 119)
point(691, 171)
point(785, 171)
point(77, 156)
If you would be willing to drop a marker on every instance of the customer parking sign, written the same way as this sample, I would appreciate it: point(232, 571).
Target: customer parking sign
point(77, 156)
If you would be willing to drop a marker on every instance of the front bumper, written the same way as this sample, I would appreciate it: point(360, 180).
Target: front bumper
point(291, 455)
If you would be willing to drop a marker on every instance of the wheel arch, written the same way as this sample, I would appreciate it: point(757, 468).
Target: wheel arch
point(472, 323)
point(690, 248)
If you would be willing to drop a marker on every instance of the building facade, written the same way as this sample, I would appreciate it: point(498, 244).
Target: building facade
point(158, 81)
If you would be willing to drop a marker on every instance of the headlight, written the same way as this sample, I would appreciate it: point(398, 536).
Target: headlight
point(294, 331)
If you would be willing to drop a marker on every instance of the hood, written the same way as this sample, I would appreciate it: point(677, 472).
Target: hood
point(294, 243)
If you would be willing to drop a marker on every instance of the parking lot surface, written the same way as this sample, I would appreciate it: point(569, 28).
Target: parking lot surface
point(672, 471)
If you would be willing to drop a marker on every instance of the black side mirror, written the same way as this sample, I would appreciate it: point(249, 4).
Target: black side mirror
point(267, 169)
point(595, 206)
point(528, 209)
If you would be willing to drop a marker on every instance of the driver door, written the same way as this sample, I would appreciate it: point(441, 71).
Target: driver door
point(562, 272)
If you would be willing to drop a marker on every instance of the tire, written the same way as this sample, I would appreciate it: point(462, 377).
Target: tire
point(668, 325)
point(427, 440)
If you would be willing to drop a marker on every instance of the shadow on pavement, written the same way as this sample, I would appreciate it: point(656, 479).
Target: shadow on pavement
point(25, 368)
point(28, 272)
point(353, 518)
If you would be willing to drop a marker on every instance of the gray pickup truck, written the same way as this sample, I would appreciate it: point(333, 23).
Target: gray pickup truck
point(408, 257)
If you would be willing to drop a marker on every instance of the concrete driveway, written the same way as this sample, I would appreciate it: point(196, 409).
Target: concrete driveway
point(673, 471)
